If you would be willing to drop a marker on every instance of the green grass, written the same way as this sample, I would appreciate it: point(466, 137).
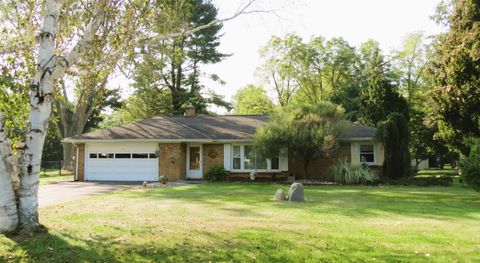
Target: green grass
point(52, 176)
point(239, 223)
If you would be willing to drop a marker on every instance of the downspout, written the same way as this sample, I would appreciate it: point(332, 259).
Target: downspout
point(76, 162)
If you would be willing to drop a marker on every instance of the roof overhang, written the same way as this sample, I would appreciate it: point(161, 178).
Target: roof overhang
point(76, 141)
point(357, 139)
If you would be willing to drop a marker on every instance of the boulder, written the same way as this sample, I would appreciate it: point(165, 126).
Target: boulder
point(295, 193)
point(279, 195)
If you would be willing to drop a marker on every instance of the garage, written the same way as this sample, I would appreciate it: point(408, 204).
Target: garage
point(121, 162)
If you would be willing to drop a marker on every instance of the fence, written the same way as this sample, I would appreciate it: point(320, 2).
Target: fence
point(55, 168)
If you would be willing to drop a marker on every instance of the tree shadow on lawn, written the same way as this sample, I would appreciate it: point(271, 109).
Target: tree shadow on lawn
point(244, 246)
point(355, 201)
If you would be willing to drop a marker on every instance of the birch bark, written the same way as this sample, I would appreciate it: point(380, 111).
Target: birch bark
point(8, 203)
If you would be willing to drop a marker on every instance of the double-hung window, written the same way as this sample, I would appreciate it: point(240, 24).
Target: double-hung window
point(367, 154)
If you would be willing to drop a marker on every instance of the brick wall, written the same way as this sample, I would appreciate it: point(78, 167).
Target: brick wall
point(172, 161)
point(212, 156)
point(80, 169)
point(260, 177)
point(318, 169)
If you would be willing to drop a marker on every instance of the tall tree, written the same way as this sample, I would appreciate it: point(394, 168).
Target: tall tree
point(393, 133)
point(174, 64)
point(281, 66)
point(52, 63)
point(252, 100)
point(410, 63)
point(454, 70)
point(381, 97)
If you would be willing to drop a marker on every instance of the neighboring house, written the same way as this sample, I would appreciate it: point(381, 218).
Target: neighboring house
point(186, 147)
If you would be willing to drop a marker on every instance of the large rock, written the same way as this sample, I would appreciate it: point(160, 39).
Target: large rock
point(279, 195)
point(295, 193)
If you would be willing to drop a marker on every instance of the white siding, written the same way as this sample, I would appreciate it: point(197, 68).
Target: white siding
point(120, 169)
point(227, 162)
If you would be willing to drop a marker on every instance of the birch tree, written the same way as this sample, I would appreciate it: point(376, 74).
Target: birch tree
point(20, 170)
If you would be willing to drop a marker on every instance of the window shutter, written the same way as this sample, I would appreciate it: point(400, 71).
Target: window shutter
point(283, 158)
point(227, 160)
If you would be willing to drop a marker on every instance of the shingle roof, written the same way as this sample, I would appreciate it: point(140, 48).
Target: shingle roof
point(358, 131)
point(223, 127)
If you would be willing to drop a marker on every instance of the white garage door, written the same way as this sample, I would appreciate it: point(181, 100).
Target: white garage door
point(121, 162)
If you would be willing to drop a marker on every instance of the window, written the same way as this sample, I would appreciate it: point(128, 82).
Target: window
point(246, 157)
point(367, 154)
point(152, 156)
point(237, 158)
point(275, 163)
point(93, 156)
point(140, 155)
point(105, 155)
point(123, 156)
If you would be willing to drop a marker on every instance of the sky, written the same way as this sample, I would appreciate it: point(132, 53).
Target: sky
point(387, 21)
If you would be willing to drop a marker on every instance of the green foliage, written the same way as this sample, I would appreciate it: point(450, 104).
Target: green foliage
point(52, 148)
point(163, 179)
point(470, 165)
point(307, 131)
point(409, 64)
point(421, 181)
point(345, 173)
point(217, 174)
point(454, 70)
point(421, 137)
point(381, 97)
point(394, 135)
point(175, 64)
point(252, 100)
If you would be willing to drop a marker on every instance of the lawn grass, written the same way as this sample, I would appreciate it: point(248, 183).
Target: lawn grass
point(52, 176)
point(239, 223)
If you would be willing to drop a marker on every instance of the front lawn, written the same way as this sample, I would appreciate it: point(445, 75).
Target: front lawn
point(239, 222)
point(53, 176)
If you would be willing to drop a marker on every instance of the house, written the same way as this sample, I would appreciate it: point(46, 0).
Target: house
point(186, 147)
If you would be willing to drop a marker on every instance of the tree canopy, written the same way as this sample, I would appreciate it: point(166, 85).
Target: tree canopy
point(454, 71)
point(252, 100)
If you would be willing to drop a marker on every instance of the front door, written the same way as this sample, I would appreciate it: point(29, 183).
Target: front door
point(194, 161)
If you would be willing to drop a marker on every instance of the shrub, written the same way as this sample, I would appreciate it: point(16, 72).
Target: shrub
point(345, 173)
point(163, 179)
point(217, 174)
point(470, 165)
point(422, 181)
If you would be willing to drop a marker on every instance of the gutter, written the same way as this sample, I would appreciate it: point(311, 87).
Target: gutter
point(75, 141)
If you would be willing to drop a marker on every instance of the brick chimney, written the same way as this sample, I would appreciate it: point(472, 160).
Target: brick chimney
point(190, 110)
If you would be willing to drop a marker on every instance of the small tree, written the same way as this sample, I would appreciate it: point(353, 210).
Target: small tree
point(307, 131)
point(470, 165)
point(393, 132)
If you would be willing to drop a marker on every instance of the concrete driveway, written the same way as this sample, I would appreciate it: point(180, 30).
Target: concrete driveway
point(62, 192)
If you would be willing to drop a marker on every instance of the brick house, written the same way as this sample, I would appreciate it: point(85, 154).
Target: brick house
point(186, 147)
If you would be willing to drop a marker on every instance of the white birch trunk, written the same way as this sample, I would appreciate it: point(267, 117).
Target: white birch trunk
point(8, 201)
point(41, 97)
point(49, 69)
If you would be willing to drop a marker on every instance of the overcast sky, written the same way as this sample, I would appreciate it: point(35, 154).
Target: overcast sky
point(387, 21)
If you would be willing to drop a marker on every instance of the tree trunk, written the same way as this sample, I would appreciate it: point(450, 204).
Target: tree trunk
point(8, 200)
point(68, 163)
point(41, 97)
